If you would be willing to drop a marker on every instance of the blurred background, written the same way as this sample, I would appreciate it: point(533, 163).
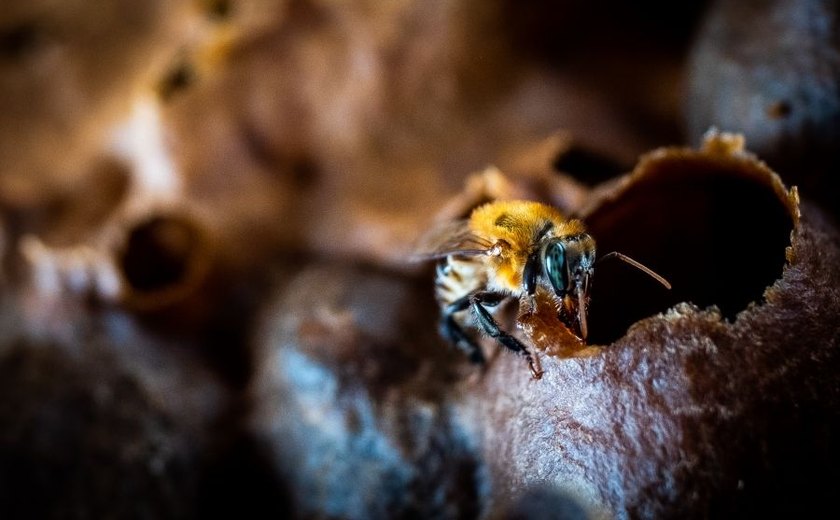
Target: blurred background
point(172, 170)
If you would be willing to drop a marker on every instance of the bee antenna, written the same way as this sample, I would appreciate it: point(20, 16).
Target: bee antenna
point(638, 265)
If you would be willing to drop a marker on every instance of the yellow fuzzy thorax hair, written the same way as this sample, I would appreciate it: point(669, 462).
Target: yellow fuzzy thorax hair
point(515, 225)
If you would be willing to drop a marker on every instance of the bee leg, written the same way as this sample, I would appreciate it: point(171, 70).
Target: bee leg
point(529, 282)
point(456, 335)
point(453, 332)
point(485, 320)
point(530, 273)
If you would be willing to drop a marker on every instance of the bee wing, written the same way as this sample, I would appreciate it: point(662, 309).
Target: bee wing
point(450, 238)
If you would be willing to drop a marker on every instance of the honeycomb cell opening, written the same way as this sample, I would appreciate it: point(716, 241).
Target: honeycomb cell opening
point(160, 254)
point(588, 166)
point(717, 232)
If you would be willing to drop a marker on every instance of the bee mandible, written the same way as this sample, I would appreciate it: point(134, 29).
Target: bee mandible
point(511, 249)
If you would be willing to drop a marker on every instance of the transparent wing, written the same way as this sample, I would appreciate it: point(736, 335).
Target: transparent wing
point(450, 238)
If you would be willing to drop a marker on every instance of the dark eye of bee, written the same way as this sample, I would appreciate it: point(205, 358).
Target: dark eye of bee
point(554, 264)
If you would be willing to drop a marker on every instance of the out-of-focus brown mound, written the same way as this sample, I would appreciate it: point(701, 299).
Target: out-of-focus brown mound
point(351, 403)
point(100, 421)
point(68, 72)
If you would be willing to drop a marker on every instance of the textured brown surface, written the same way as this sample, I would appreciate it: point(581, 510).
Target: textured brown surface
point(234, 331)
point(688, 414)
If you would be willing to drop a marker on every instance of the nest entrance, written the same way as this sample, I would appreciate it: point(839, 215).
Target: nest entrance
point(716, 229)
point(164, 258)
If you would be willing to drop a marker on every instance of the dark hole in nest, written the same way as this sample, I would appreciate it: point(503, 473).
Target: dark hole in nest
point(159, 253)
point(17, 41)
point(719, 236)
point(588, 166)
point(779, 110)
point(218, 9)
point(176, 80)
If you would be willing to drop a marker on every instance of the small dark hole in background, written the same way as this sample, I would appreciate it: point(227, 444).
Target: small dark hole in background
point(218, 9)
point(159, 252)
point(177, 80)
point(17, 41)
point(719, 237)
point(779, 110)
point(589, 167)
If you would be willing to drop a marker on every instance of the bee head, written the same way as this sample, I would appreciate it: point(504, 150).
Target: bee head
point(568, 264)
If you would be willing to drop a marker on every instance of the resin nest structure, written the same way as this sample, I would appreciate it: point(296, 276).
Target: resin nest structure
point(697, 402)
point(206, 307)
point(705, 400)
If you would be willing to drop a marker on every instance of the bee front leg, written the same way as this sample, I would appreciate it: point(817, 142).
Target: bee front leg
point(485, 320)
point(452, 331)
point(529, 282)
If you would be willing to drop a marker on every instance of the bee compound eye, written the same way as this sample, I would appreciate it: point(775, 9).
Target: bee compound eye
point(554, 263)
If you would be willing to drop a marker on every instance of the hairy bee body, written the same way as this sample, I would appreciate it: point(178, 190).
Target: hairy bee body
point(518, 228)
point(511, 249)
point(456, 277)
point(513, 226)
point(486, 259)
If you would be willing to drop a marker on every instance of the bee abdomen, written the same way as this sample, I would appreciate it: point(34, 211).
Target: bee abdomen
point(457, 278)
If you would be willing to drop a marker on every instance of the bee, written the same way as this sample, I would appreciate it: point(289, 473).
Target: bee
point(512, 249)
